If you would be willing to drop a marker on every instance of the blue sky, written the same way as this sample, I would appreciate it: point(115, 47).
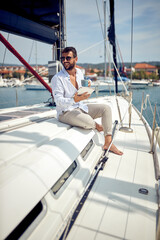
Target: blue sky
point(84, 32)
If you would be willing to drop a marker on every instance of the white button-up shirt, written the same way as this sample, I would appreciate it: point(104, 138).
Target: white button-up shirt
point(63, 91)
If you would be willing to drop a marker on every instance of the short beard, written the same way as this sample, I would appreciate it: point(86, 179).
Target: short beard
point(70, 67)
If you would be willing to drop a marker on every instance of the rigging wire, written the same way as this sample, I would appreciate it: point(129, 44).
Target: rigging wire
point(118, 72)
point(95, 44)
point(158, 114)
point(100, 18)
point(147, 99)
point(120, 54)
point(31, 52)
point(5, 51)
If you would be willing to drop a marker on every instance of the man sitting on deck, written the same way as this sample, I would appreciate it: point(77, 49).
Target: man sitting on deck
point(69, 105)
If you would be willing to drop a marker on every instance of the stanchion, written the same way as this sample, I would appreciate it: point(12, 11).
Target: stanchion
point(153, 129)
point(128, 129)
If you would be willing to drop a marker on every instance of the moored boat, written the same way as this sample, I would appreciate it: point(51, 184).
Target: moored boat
point(139, 84)
point(156, 83)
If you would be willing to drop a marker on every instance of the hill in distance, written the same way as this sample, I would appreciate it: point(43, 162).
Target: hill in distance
point(126, 64)
point(92, 65)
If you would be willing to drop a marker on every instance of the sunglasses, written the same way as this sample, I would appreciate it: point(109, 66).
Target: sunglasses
point(67, 58)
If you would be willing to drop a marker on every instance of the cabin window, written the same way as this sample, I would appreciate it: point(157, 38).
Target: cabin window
point(26, 222)
point(86, 149)
point(64, 177)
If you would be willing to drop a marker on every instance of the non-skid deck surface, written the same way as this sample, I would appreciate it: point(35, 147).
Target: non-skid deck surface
point(13, 118)
point(115, 209)
point(21, 113)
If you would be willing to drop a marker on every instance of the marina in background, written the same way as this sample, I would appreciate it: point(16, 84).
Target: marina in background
point(58, 181)
point(19, 96)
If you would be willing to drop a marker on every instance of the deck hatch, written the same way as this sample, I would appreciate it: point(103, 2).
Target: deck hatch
point(64, 178)
point(5, 118)
point(26, 222)
point(86, 149)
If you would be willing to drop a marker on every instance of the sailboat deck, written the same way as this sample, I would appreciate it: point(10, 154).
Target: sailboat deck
point(37, 149)
point(115, 209)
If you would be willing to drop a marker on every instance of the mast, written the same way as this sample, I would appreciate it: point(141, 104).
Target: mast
point(62, 28)
point(131, 40)
point(111, 36)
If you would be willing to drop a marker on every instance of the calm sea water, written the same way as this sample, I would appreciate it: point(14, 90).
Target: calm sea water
point(12, 97)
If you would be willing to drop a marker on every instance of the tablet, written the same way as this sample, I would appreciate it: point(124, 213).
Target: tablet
point(82, 90)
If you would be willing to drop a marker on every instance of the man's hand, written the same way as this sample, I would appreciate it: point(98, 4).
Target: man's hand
point(89, 83)
point(78, 98)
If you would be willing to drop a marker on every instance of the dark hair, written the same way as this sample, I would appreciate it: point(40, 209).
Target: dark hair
point(70, 49)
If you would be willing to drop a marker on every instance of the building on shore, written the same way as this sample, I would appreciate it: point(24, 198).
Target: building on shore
point(20, 71)
point(147, 68)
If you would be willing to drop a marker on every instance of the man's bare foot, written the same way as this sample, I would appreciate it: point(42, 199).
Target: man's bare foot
point(99, 127)
point(113, 149)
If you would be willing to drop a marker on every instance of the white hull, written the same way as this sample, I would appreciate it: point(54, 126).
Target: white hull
point(138, 84)
point(107, 87)
point(35, 87)
point(156, 83)
point(36, 150)
point(35, 84)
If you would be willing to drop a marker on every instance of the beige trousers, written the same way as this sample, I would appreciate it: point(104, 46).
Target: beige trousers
point(79, 118)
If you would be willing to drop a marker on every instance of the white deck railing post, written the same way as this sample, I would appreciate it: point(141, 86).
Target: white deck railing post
point(153, 129)
point(127, 129)
point(142, 105)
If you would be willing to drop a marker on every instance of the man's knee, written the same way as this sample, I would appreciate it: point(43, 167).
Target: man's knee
point(107, 109)
point(88, 123)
